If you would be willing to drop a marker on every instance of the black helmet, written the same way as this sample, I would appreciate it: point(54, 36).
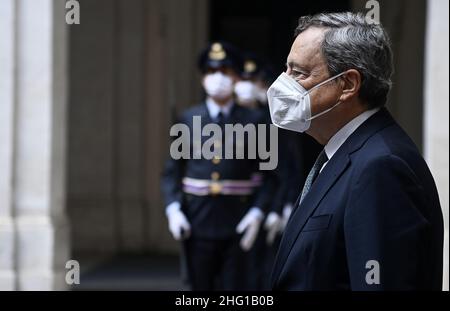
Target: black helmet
point(220, 54)
point(252, 66)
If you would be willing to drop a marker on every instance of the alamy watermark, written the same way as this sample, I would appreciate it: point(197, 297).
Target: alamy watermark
point(256, 142)
point(373, 15)
point(73, 12)
point(373, 275)
point(73, 273)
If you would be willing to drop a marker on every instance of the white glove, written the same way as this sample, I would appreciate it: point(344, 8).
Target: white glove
point(250, 223)
point(287, 211)
point(178, 224)
point(273, 225)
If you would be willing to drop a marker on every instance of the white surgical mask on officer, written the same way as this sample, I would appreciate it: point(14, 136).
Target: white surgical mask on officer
point(218, 85)
point(261, 94)
point(246, 92)
point(290, 103)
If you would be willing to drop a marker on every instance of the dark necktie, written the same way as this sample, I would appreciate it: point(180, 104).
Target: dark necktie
point(321, 159)
point(220, 118)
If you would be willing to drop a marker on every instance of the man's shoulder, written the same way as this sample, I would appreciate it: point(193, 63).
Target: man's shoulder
point(380, 136)
point(392, 140)
point(389, 148)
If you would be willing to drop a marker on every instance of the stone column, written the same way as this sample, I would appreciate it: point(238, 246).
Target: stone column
point(33, 103)
point(92, 129)
point(436, 120)
point(7, 60)
point(176, 32)
point(405, 23)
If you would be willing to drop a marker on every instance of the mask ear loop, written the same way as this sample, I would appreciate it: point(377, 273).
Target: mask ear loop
point(326, 81)
point(323, 112)
point(318, 85)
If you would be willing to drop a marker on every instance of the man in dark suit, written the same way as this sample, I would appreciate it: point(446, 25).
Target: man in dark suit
point(369, 216)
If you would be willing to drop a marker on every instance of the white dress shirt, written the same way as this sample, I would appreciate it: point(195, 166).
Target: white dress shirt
point(214, 108)
point(341, 136)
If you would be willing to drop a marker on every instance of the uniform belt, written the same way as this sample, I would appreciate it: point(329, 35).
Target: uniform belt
point(203, 187)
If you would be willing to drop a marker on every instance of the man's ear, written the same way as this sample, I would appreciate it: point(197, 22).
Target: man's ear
point(351, 84)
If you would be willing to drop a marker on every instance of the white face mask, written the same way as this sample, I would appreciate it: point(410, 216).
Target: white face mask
point(261, 94)
point(246, 92)
point(218, 85)
point(290, 103)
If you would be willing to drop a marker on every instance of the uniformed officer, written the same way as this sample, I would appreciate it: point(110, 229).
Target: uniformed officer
point(250, 92)
point(216, 206)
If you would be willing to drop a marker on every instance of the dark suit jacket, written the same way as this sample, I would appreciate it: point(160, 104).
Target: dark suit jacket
point(374, 200)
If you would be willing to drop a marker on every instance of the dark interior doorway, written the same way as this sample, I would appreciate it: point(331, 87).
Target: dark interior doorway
point(264, 27)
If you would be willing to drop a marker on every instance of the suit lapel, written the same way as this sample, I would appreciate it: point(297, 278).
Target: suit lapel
point(326, 179)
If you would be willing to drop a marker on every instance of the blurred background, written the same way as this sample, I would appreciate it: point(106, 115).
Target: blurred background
point(85, 112)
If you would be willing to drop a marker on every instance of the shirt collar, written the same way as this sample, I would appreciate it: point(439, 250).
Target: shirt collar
point(214, 108)
point(341, 136)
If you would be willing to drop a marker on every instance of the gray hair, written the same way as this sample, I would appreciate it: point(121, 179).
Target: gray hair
point(352, 43)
